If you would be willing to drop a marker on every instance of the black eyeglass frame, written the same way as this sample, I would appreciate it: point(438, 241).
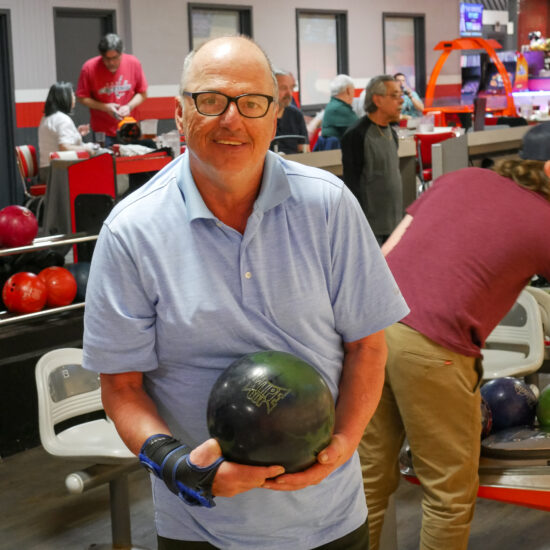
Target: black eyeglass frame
point(230, 99)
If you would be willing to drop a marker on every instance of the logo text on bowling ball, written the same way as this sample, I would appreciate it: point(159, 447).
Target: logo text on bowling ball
point(264, 392)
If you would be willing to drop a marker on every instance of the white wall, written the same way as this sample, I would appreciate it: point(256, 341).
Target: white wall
point(32, 33)
point(157, 31)
point(162, 42)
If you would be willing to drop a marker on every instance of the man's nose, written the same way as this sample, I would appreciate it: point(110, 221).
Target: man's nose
point(231, 114)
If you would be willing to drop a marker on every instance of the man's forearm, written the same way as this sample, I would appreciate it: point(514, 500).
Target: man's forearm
point(138, 99)
point(360, 385)
point(417, 103)
point(93, 103)
point(131, 409)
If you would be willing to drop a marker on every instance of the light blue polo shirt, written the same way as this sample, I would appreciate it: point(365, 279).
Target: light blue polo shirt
point(175, 293)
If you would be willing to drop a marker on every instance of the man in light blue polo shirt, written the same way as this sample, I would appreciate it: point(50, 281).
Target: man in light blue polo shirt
point(229, 250)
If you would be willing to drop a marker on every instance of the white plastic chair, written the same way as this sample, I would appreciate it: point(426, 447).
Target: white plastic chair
point(543, 300)
point(66, 391)
point(516, 345)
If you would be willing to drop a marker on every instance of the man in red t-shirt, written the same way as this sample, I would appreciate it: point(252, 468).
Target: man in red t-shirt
point(461, 256)
point(111, 85)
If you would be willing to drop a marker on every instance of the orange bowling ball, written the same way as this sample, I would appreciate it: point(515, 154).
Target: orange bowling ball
point(60, 285)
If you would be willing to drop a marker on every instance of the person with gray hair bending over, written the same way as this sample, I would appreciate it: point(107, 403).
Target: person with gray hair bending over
point(339, 115)
point(369, 157)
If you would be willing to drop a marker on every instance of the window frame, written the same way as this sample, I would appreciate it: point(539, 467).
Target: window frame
point(244, 12)
point(419, 22)
point(342, 57)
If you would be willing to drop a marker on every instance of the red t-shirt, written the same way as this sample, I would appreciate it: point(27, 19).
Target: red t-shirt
point(97, 82)
point(475, 241)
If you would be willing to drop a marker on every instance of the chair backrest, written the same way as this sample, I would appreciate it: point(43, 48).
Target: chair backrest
point(424, 144)
point(314, 138)
point(327, 143)
point(65, 390)
point(543, 300)
point(516, 345)
point(27, 161)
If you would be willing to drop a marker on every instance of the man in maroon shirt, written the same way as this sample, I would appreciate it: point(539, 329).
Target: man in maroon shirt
point(461, 256)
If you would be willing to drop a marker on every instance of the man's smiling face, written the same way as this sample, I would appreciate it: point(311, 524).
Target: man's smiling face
point(228, 142)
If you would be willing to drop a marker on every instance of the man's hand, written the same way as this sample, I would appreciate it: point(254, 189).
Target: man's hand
point(329, 459)
point(232, 478)
point(123, 111)
point(112, 109)
point(83, 129)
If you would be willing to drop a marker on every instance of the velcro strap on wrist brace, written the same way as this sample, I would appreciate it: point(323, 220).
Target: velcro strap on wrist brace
point(168, 459)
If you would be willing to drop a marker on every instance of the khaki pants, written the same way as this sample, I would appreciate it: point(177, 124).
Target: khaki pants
point(431, 396)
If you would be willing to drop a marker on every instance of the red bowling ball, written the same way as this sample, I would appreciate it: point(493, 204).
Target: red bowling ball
point(24, 292)
point(60, 285)
point(18, 226)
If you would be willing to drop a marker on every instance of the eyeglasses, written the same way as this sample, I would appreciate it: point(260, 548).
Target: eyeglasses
point(216, 103)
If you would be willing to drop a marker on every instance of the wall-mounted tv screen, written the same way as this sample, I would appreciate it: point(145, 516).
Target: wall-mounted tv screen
point(471, 19)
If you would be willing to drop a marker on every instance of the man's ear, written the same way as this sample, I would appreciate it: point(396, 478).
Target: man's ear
point(274, 133)
point(178, 115)
point(546, 168)
point(376, 100)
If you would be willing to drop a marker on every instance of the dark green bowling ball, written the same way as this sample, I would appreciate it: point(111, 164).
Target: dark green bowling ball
point(81, 271)
point(271, 408)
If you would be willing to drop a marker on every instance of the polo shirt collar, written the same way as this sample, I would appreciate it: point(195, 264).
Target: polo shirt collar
point(273, 191)
point(275, 187)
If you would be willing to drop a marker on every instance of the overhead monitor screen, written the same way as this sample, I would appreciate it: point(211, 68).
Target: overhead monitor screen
point(471, 19)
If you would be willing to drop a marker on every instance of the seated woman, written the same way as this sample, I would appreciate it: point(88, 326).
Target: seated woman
point(57, 131)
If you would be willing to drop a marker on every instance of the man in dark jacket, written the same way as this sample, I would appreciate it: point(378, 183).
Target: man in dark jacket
point(369, 157)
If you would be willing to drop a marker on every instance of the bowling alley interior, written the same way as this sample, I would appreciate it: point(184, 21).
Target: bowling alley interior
point(481, 72)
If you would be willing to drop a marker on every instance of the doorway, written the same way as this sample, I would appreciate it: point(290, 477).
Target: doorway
point(10, 192)
point(77, 34)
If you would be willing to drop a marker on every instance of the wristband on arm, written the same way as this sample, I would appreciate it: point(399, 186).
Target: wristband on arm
point(168, 459)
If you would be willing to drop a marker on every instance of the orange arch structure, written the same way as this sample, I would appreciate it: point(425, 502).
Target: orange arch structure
point(473, 43)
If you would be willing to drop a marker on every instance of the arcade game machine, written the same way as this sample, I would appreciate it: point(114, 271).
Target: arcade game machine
point(492, 75)
point(533, 98)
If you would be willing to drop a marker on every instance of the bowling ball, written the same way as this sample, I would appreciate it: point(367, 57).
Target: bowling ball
point(18, 226)
point(24, 292)
point(60, 284)
point(543, 407)
point(512, 402)
point(271, 408)
point(486, 419)
point(81, 271)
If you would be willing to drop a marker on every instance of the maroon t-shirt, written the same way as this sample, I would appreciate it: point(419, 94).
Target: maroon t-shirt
point(475, 241)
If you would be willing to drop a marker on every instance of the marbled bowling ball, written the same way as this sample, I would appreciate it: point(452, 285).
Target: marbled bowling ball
point(271, 408)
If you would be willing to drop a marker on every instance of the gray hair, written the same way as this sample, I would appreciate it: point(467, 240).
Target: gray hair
point(189, 58)
point(340, 83)
point(280, 72)
point(110, 42)
point(376, 86)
